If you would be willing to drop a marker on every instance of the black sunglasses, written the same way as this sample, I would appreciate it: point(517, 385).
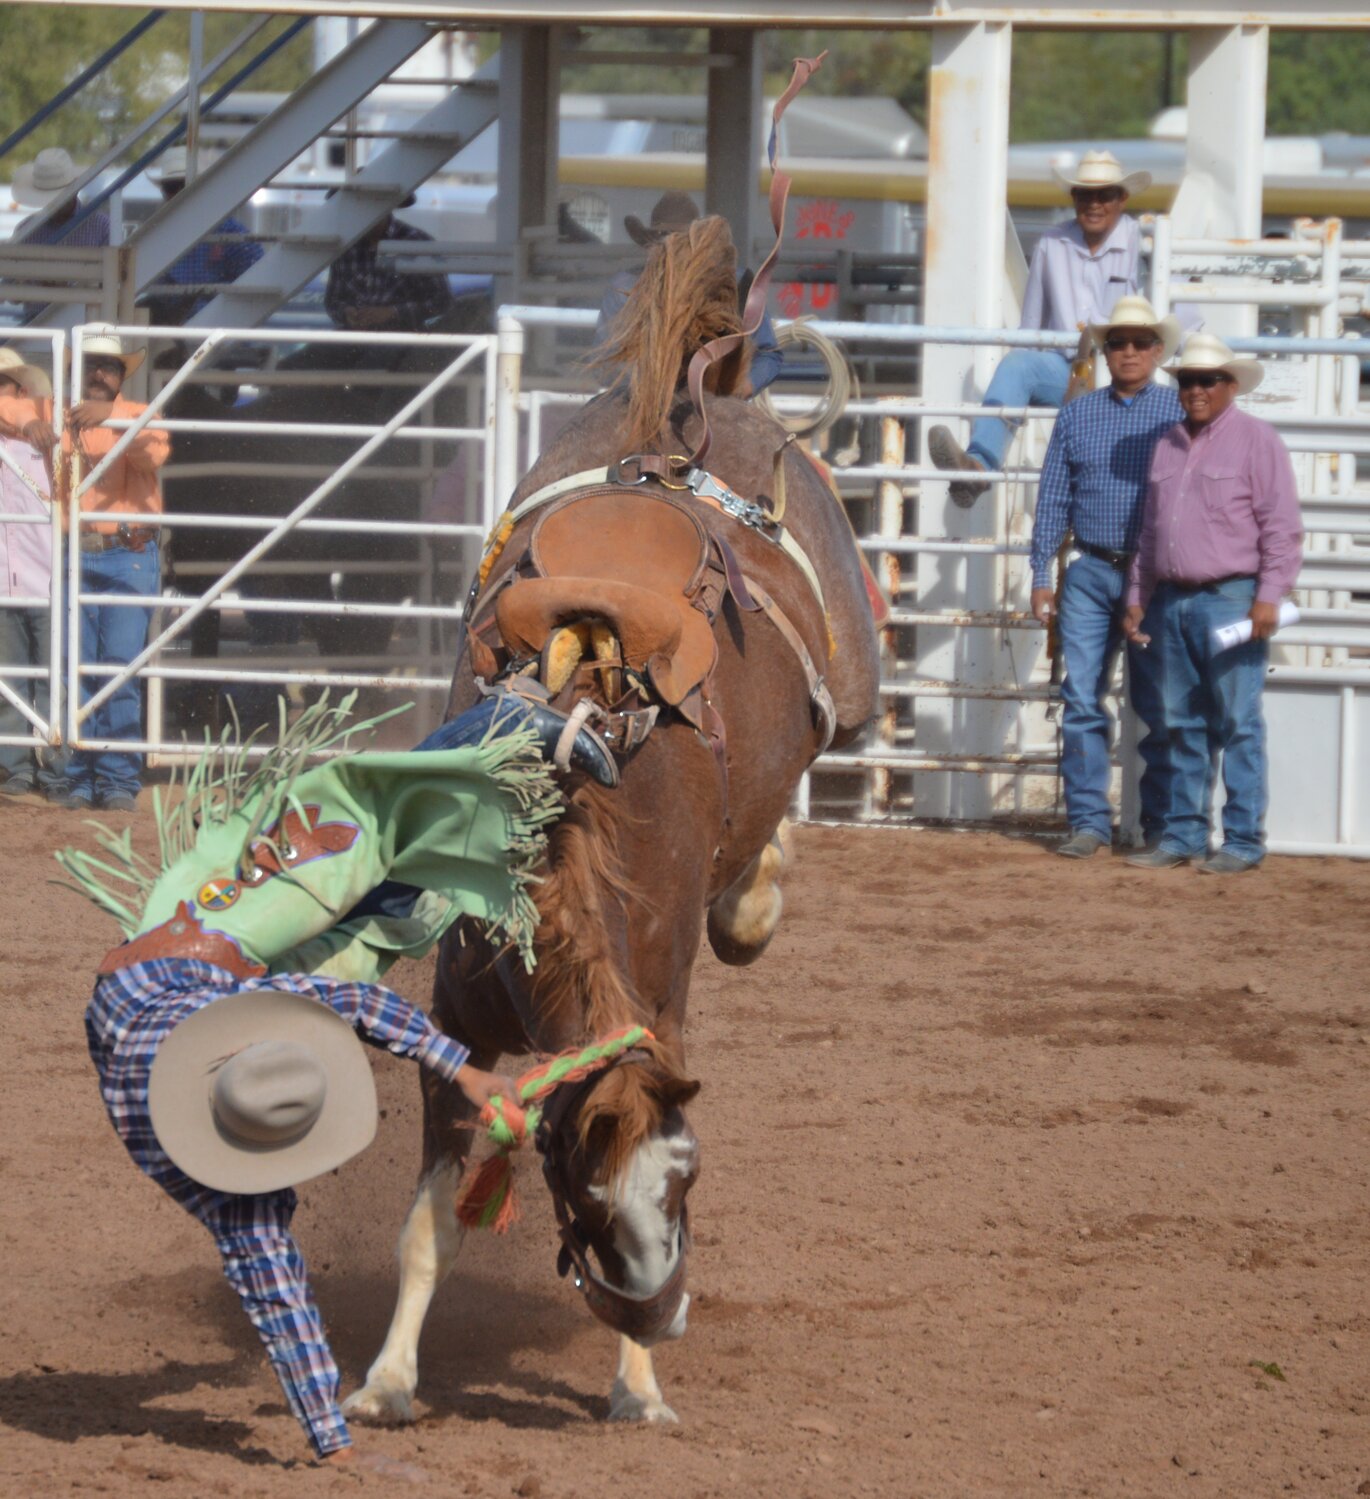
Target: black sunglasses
point(1096, 194)
point(1115, 343)
point(1187, 380)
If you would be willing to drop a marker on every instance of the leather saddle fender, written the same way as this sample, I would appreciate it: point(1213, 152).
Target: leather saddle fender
point(641, 562)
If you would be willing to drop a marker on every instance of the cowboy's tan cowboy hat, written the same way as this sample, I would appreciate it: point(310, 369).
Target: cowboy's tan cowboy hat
point(1102, 169)
point(101, 338)
point(671, 213)
point(1206, 351)
point(33, 381)
point(1137, 312)
point(45, 178)
point(261, 1090)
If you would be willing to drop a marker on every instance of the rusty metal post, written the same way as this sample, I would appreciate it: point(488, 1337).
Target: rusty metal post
point(889, 522)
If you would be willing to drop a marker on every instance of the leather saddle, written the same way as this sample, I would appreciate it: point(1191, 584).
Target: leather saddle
point(640, 562)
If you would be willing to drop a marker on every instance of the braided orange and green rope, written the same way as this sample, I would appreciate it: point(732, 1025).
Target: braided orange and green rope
point(487, 1198)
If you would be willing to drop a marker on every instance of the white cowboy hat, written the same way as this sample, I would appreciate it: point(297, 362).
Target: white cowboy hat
point(172, 166)
point(102, 339)
point(45, 178)
point(1206, 351)
point(1137, 312)
point(261, 1090)
point(34, 381)
point(1102, 169)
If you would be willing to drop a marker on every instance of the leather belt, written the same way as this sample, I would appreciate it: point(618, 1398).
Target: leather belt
point(182, 936)
point(1119, 560)
point(129, 538)
point(1210, 585)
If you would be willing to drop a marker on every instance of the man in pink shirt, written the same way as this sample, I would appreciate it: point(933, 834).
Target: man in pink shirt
point(25, 585)
point(1220, 542)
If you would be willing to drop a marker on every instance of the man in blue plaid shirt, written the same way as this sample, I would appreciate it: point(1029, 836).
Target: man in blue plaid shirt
point(228, 1064)
point(1093, 484)
point(192, 281)
point(134, 1010)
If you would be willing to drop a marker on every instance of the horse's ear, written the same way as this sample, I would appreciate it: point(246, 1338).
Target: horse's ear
point(676, 1092)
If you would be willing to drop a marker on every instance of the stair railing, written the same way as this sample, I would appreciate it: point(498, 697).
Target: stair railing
point(45, 112)
point(172, 106)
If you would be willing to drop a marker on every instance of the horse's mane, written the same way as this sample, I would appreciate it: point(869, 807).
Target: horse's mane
point(578, 975)
point(686, 295)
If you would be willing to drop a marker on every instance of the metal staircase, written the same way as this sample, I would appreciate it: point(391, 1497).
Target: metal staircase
point(279, 139)
point(270, 146)
point(356, 205)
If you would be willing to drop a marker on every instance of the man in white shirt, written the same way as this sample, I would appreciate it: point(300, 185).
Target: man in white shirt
point(1079, 271)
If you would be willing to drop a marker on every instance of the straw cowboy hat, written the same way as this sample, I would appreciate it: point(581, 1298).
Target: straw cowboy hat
point(261, 1090)
point(45, 178)
point(33, 380)
point(173, 164)
point(1102, 169)
point(671, 213)
point(1137, 312)
point(1206, 351)
point(102, 339)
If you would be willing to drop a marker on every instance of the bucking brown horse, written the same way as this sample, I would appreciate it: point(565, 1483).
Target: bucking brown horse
point(718, 645)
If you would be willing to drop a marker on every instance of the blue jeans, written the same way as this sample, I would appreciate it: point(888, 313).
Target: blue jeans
point(113, 636)
point(1025, 377)
point(1091, 633)
point(25, 640)
point(1212, 702)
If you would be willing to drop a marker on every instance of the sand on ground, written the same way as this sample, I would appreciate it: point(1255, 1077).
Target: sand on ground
point(1020, 1177)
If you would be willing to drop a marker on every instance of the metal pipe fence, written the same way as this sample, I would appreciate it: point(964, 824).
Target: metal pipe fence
point(1319, 696)
point(885, 482)
point(80, 690)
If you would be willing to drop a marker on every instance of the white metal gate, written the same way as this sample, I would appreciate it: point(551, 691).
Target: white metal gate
point(80, 686)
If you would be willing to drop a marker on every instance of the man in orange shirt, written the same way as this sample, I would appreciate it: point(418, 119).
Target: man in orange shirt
point(118, 554)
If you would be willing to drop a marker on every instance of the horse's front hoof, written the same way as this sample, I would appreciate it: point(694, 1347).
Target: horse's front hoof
point(381, 1404)
point(627, 1407)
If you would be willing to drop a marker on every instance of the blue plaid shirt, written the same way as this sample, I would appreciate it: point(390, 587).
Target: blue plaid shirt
point(210, 264)
point(1094, 477)
point(132, 1012)
point(91, 233)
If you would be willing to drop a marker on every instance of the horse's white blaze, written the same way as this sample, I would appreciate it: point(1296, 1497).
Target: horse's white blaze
point(644, 1234)
point(429, 1243)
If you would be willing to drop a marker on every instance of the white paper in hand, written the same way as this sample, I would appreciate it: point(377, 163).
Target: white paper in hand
point(1226, 636)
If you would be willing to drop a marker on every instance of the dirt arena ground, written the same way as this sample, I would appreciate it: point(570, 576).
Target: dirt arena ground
point(1020, 1178)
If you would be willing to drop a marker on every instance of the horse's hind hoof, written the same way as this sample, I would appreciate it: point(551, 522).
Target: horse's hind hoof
point(649, 1412)
point(376, 1404)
